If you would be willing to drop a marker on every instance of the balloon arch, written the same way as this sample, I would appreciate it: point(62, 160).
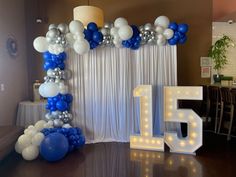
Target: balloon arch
point(54, 137)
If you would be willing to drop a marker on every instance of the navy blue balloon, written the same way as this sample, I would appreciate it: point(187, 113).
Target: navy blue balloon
point(93, 44)
point(135, 30)
point(54, 147)
point(69, 98)
point(61, 66)
point(183, 40)
point(88, 34)
point(62, 105)
point(92, 26)
point(172, 41)
point(97, 36)
point(173, 26)
point(183, 28)
point(176, 36)
point(62, 56)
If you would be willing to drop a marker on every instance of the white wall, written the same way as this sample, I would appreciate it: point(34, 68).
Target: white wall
point(13, 72)
point(218, 29)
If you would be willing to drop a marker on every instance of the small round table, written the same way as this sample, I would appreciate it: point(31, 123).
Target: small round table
point(30, 112)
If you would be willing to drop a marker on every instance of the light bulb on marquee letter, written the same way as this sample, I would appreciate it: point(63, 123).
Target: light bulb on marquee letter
point(172, 114)
point(146, 140)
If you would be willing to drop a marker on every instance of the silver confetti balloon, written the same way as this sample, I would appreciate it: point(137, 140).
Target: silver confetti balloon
point(147, 34)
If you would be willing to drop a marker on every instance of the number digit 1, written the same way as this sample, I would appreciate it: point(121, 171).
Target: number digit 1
point(146, 140)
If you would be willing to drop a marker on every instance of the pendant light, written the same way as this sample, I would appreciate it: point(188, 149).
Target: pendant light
point(87, 14)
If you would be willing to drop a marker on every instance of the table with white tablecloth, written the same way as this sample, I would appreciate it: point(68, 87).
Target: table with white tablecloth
point(30, 112)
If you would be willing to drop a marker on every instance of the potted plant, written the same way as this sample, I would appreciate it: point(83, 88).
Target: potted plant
point(218, 53)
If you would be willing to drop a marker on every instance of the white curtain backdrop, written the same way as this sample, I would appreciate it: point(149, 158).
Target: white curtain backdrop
point(102, 85)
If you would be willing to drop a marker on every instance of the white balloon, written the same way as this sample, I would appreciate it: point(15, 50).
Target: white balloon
point(125, 32)
point(114, 31)
point(79, 36)
point(119, 22)
point(161, 42)
point(39, 125)
point(24, 141)
point(30, 153)
point(63, 89)
point(40, 44)
point(162, 21)
point(30, 127)
point(81, 47)
point(66, 126)
point(117, 38)
point(159, 29)
point(76, 26)
point(41, 90)
point(18, 148)
point(49, 89)
point(37, 139)
point(161, 37)
point(70, 39)
point(31, 133)
point(168, 33)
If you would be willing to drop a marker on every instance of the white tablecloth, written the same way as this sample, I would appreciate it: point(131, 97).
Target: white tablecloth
point(30, 112)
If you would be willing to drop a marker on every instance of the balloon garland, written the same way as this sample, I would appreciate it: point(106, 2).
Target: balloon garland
point(54, 137)
point(119, 34)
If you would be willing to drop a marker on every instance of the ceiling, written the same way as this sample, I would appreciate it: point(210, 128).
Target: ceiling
point(224, 10)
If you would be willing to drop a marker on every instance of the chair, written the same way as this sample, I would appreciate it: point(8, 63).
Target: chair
point(214, 104)
point(227, 108)
point(205, 107)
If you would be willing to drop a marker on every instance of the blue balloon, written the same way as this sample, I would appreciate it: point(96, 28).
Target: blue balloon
point(62, 105)
point(53, 108)
point(62, 56)
point(47, 55)
point(183, 28)
point(49, 65)
point(54, 147)
point(92, 26)
point(88, 34)
point(173, 26)
point(97, 36)
point(172, 41)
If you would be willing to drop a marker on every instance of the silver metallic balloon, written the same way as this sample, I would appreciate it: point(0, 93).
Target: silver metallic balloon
point(57, 123)
point(108, 25)
point(67, 74)
point(105, 31)
point(51, 26)
point(63, 28)
point(48, 116)
point(148, 27)
point(52, 33)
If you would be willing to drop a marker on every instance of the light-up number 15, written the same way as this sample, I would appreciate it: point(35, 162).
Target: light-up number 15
point(171, 114)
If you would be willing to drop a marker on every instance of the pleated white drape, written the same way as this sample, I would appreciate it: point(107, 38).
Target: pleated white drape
point(102, 86)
